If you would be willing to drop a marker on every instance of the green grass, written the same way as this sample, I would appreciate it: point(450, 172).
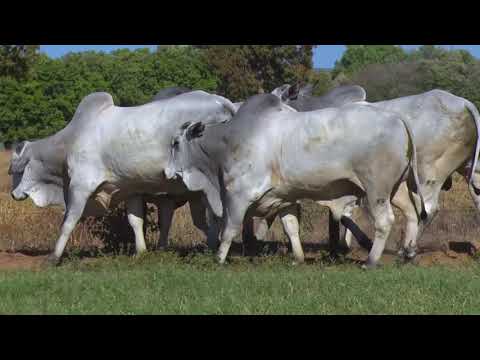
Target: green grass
point(167, 284)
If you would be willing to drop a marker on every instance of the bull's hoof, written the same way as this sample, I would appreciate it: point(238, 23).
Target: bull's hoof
point(161, 247)
point(140, 254)
point(297, 262)
point(51, 261)
point(369, 266)
point(221, 261)
point(408, 254)
point(343, 250)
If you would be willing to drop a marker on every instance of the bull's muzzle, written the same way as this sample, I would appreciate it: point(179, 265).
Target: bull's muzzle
point(170, 171)
point(170, 174)
point(18, 196)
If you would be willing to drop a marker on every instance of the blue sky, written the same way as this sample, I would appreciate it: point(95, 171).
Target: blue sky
point(324, 57)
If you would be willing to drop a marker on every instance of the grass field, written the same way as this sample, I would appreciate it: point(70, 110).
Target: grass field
point(169, 284)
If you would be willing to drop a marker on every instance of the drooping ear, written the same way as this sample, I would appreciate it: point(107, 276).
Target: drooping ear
point(48, 195)
point(286, 92)
point(18, 161)
point(280, 90)
point(20, 148)
point(293, 92)
point(197, 180)
point(195, 131)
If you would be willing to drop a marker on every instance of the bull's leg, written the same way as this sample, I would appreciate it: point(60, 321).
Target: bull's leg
point(343, 228)
point(345, 236)
point(199, 215)
point(214, 226)
point(403, 202)
point(381, 211)
point(232, 226)
point(476, 185)
point(254, 230)
point(473, 193)
point(263, 225)
point(204, 219)
point(431, 193)
point(136, 215)
point(76, 198)
point(289, 217)
point(166, 209)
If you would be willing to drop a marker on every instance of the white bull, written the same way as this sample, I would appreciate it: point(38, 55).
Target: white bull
point(107, 154)
point(320, 155)
point(445, 129)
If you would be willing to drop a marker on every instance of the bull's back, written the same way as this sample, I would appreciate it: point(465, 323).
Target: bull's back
point(332, 145)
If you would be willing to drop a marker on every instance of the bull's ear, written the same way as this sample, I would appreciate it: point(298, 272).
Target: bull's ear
point(286, 92)
point(20, 147)
point(195, 131)
point(293, 92)
point(280, 90)
point(195, 180)
point(47, 195)
point(214, 200)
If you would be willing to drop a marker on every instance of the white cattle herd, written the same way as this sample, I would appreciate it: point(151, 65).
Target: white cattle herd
point(258, 158)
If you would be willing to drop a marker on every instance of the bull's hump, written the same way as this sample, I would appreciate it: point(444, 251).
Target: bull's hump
point(93, 104)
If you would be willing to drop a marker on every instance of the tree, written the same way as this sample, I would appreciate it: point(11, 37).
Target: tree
point(357, 57)
point(321, 80)
point(388, 81)
point(17, 60)
point(427, 68)
point(245, 70)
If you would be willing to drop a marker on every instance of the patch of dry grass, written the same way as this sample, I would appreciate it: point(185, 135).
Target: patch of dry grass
point(5, 182)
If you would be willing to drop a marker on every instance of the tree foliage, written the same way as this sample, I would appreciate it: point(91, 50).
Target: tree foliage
point(39, 95)
point(245, 70)
point(356, 57)
point(426, 68)
point(17, 60)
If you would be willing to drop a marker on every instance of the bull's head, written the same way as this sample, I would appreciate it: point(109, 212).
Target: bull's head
point(189, 161)
point(30, 178)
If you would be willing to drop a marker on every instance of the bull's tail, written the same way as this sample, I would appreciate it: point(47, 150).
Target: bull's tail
point(476, 117)
point(412, 149)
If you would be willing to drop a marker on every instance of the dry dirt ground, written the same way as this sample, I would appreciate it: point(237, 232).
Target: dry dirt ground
point(462, 255)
